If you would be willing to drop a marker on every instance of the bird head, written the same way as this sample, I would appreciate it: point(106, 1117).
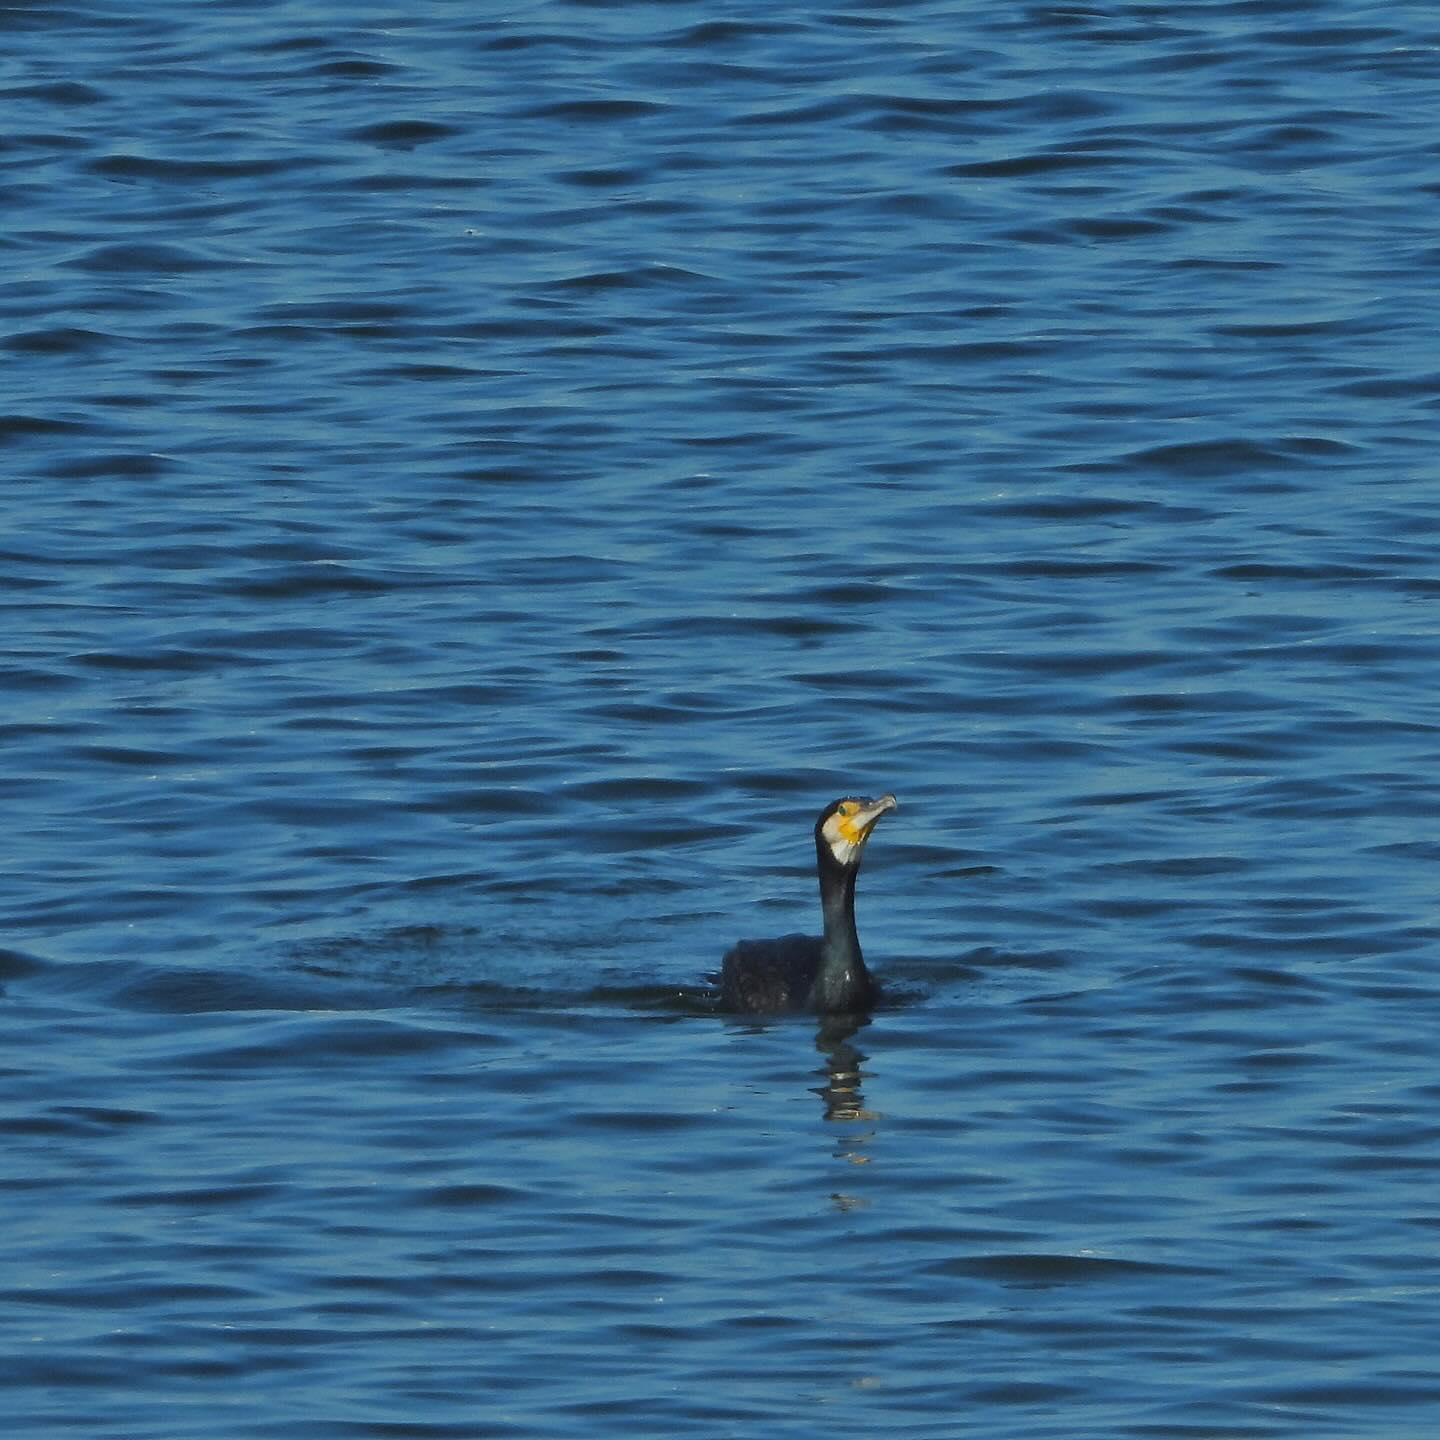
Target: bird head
point(845, 825)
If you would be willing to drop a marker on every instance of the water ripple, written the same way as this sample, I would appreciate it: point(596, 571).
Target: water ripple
point(478, 486)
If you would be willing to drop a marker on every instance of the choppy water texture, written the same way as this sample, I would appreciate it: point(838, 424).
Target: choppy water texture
point(477, 483)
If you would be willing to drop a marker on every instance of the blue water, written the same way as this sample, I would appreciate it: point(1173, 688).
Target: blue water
point(478, 481)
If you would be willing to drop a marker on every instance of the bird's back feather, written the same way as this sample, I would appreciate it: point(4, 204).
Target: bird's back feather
point(761, 976)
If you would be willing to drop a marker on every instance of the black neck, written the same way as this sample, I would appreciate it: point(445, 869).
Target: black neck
point(843, 982)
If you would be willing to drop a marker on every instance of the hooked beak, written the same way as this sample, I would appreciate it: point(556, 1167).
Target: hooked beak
point(864, 820)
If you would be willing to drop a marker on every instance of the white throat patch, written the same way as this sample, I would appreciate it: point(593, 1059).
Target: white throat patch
point(842, 837)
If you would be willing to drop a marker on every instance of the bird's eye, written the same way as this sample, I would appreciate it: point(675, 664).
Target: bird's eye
point(847, 810)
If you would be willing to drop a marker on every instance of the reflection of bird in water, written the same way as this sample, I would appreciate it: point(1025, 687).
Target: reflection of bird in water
point(844, 1099)
point(825, 974)
point(841, 1091)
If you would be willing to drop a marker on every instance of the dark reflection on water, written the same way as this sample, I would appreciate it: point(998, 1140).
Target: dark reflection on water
point(477, 484)
point(844, 1097)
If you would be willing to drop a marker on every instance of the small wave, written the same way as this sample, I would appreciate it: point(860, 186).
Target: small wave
point(58, 92)
point(23, 427)
point(1041, 1271)
point(188, 172)
point(404, 133)
point(592, 110)
point(144, 258)
point(1022, 166)
point(59, 340)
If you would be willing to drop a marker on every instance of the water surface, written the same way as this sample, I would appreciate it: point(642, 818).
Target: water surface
point(479, 483)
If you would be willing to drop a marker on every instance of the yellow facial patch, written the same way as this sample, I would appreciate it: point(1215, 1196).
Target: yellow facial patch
point(845, 824)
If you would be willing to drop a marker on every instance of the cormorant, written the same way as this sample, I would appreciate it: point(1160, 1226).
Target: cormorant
point(825, 974)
